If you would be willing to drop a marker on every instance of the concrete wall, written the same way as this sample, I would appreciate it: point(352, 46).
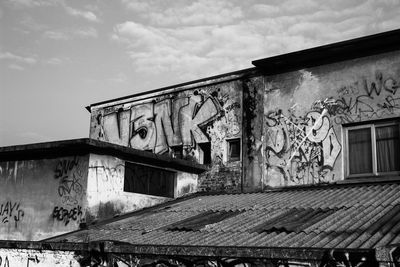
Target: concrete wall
point(106, 196)
point(187, 118)
point(42, 198)
point(305, 110)
point(47, 197)
point(296, 258)
point(33, 257)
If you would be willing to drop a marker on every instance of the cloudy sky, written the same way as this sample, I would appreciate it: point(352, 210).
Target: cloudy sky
point(58, 56)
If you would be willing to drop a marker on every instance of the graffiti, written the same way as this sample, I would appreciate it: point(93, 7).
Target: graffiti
point(302, 149)
point(11, 211)
point(367, 100)
point(6, 262)
point(339, 258)
point(329, 259)
point(20, 260)
point(69, 172)
point(232, 106)
point(64, 166)
point(109, 173)
point(159, 125)
point(109, 177)
point(66, 215)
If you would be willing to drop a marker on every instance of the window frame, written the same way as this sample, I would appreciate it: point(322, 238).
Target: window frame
point(172, 180)
point(228, 146)
point(372, 126)
point(205, 153)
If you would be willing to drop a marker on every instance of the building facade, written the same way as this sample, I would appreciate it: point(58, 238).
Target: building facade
point(294, 119)
point(54, 188)
point(294, 162)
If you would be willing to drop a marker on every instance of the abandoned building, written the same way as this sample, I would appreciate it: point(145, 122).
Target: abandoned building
point(294, 162)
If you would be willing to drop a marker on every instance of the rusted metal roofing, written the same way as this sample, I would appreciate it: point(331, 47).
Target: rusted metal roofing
point(357, 216)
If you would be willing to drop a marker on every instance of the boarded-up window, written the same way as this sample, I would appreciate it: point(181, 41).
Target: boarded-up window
point(148, 180)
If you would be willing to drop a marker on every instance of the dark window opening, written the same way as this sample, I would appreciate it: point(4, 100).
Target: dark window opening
point(177, 152)
point(373, 149)
point(148, 180)
point(205, 153)
point(234, 149)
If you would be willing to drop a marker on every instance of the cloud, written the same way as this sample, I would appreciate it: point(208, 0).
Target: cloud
point(15, 67)
point(68, 34)
point(19, 59)
point(57, 60)
point(86, 32)
point(32, 3)
point(56, 35)
point(88, 15)
point(178, 13)
point(137, 5)
point(201, 38)
point(31, 24)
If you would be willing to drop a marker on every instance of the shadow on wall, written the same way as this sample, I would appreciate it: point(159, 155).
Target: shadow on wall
point(104, 211)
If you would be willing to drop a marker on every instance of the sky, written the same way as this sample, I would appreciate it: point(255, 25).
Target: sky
point(59, 56)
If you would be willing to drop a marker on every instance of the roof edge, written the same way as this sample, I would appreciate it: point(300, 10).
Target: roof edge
point(331, 53)
point(167, 250)
point(225, 77)
point(86, 145)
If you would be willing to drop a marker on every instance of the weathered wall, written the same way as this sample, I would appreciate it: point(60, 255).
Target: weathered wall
point(106, 196)
point(42, 198)
point(183, 118)
point(304, 111)
point(33, 257)
point(95, 258)
point(253, 116)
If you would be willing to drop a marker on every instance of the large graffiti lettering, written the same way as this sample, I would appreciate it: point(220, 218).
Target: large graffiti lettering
point(11, 212)
point(302, 150)
point(70, 173)
point(159, 125)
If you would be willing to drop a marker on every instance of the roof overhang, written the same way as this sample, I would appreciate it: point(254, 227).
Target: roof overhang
point(185, 251)
point(86, 145)
point(345, 50)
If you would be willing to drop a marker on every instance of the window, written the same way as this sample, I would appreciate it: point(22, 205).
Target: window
point(177, 152)
point(234, 149)
point(373, 149)
point(205, 153)
point(148, 180)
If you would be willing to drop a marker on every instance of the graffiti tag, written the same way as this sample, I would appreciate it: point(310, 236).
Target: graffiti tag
point(69, 173)
point(66, 215)
point(11, 211)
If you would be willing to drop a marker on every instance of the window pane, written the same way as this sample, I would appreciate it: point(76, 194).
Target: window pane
point(360, 151)
point(387, 148)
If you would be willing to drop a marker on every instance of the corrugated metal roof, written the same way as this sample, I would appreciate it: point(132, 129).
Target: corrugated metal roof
point(335, 216)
